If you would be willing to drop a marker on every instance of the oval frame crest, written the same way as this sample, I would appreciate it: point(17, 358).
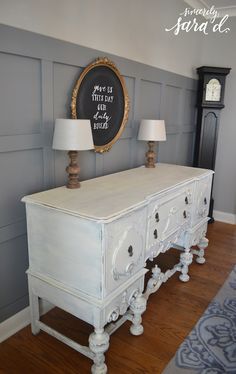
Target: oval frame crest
point(79, 108)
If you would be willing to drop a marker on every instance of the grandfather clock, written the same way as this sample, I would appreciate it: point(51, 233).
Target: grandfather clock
point(210, 101)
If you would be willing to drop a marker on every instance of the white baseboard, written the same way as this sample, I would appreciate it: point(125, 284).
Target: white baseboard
point(224, 217)
point(20, 320)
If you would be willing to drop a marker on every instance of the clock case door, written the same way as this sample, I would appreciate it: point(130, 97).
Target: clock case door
point(208, 120)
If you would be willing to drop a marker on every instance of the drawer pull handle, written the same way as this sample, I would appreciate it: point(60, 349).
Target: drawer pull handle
point(155, 234)
point(184, 214)
point(205, 200)
point(186, 200)
point(130, 251)
point(157, 217)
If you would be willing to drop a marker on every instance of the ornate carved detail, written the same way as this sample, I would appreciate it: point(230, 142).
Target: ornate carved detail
point(114, 315)
point(99, 344)
point(189, 196)
point(172, 212)
point(158, 277)
point(154, 282)
point(128, 271)
point(202, 204)
point(154, 253)
point(133, 295)
point(177, 213)
point(186, 259)
point(137, 307)
point(166, 244)
point(123, 237)
point(122, 306)
point(124, 303)
point(202, 245)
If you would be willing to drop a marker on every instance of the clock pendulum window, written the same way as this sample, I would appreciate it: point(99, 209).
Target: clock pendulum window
point(210, 101)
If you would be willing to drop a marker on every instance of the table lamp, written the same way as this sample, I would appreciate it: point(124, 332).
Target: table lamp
point(72, 135)
point(151, 130)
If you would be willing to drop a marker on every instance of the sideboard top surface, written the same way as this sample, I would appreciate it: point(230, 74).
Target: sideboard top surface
point(105, 197)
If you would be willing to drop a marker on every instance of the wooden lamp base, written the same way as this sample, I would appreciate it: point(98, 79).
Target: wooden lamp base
point(73, 171)
point(150, 156)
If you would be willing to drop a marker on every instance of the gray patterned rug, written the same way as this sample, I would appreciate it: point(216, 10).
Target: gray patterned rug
point(210, 348)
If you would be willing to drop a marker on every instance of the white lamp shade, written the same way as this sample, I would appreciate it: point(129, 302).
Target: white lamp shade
point(152, 130)
point(72, 135)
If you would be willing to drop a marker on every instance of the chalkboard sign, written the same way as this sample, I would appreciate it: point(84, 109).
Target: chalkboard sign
point(101, 96)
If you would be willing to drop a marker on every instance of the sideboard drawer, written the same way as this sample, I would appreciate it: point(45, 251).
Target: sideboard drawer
point(168, 214)
point(124, 248)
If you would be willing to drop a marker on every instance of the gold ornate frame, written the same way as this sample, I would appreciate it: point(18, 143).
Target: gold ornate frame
point(104, 61)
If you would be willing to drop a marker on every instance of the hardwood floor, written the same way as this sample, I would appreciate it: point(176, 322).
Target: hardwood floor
point(171, 314)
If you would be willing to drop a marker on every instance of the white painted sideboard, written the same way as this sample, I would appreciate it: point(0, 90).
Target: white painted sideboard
point(88, 247)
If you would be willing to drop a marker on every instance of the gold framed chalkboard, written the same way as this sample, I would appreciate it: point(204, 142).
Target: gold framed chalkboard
point(100, 95)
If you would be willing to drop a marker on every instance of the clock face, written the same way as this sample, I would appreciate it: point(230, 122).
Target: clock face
point(213, 90)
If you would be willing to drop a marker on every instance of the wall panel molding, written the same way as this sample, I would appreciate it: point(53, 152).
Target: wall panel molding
point(12, 143)
point(225, 217)
point(13, 230)
point(47, 122)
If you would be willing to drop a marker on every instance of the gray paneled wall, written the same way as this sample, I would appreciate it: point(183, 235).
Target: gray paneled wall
point(37, 74)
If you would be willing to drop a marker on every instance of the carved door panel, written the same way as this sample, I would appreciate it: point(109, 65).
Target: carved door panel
point(202, 199)
point(124, 248)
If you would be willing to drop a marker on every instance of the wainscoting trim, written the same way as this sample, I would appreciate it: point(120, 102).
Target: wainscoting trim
point(224, 217)
point(20, 320)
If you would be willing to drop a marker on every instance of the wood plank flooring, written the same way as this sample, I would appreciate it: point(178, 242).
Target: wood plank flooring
point(172, 312)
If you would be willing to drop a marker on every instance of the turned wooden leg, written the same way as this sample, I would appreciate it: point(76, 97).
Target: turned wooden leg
point(185, 259)
point(99, 344)
point(202, 245)
point(138, 307)
point(34, 311)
